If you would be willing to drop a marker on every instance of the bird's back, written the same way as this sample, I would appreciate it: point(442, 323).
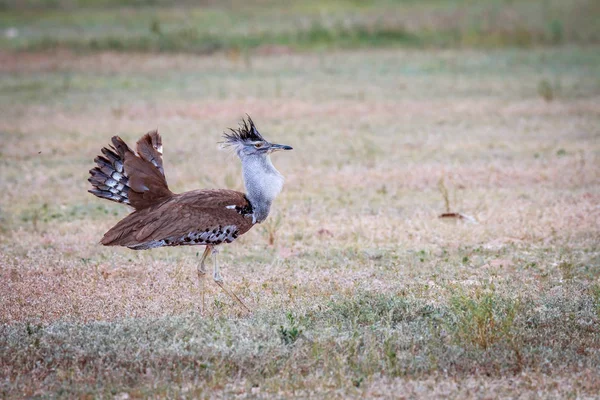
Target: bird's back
point(199, 217)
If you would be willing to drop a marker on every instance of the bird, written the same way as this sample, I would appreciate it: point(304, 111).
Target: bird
point(205, 217)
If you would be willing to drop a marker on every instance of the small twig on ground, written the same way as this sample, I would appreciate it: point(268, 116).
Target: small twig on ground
point(466, 217)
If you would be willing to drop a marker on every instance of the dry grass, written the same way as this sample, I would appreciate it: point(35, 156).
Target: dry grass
point(358, 289)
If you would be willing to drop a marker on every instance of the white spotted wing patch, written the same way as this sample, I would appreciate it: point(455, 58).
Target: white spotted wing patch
point(215, 236)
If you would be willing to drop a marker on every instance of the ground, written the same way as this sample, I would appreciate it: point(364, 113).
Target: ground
point(358, 288)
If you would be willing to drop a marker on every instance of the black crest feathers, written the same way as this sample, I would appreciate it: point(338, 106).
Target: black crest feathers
point(246, 132)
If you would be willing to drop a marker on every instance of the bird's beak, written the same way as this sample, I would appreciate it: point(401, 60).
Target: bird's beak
point(277, 147)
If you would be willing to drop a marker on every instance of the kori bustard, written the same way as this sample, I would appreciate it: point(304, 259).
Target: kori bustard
point(205, 217)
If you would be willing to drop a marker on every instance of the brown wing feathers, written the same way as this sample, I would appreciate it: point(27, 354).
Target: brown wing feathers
point(125, 177)
point(149, 147)
point(181, 219)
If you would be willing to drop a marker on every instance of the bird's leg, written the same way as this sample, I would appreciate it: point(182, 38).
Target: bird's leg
point(219, 281)
point(202, 274)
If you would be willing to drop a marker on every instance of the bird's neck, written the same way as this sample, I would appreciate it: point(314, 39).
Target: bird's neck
point(263, 183)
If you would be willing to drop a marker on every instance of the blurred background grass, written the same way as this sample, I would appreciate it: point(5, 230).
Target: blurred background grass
point(208, 26)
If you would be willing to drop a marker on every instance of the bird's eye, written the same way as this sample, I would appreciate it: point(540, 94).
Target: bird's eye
point(258, 145)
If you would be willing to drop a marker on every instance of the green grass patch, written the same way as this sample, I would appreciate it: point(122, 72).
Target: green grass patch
point(353, 338)
point(483, 319)
point(194, 41)
point(156, 26)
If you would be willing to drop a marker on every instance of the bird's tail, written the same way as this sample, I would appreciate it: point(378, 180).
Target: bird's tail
point(108, 178)
point(125, 177)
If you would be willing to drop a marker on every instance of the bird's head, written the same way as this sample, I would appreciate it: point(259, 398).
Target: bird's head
point(247, 141)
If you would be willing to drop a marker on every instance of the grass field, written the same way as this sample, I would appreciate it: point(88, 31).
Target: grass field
point(157, 25)
point(358, 289)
